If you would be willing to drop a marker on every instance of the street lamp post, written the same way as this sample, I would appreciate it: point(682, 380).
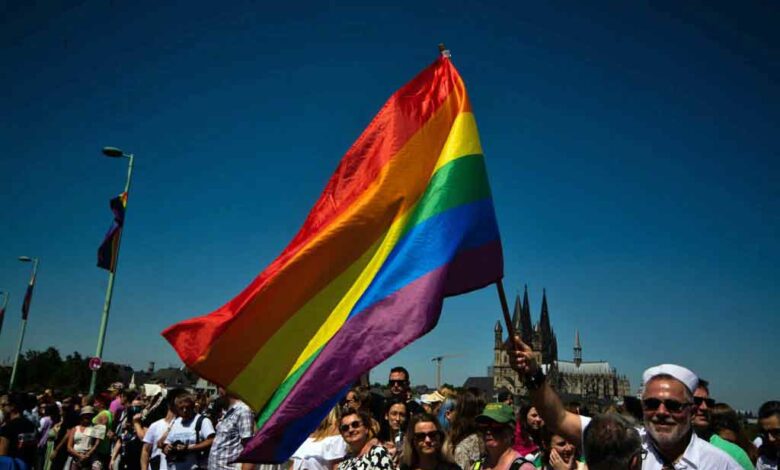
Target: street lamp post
point(111, 152)
point(25, 312)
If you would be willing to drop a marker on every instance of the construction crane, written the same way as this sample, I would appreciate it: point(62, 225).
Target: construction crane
point(438, 360)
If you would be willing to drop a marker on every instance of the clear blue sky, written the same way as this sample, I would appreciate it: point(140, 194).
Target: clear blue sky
point(632, 151)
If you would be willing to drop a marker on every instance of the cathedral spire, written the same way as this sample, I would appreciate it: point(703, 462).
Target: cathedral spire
point(516, 320)
point(525, 319)
point(577, 349)
point(498, 331)
point(546, 331)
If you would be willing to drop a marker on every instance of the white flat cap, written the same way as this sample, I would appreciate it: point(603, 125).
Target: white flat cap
point(686, 376)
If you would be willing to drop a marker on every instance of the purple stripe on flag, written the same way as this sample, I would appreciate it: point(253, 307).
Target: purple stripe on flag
point(391, 324)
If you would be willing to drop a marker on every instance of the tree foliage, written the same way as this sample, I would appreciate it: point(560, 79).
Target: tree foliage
point(39, 370)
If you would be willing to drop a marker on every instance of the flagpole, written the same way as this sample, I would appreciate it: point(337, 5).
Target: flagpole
point(2, 309)
point(28, 301)
point(505, 308)
point(114, 153)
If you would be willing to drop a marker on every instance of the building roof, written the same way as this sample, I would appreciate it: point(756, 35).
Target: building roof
point(586, 368)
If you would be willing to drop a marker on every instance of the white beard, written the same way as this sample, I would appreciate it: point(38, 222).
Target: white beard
point(668, 438)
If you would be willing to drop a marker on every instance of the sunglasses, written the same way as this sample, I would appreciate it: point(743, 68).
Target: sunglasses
point(699, 400)
point(432, 435)
point(491, 428)
point(397, 382)
point(354, 425)
point(673, 406)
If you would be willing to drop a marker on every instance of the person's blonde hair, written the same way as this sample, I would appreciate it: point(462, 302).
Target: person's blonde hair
point(329, 426)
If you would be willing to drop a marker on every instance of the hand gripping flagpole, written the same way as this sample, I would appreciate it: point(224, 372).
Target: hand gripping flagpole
point(113, 153)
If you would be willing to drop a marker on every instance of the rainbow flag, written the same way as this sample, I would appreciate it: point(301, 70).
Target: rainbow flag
point(406, 220)
point(107, 253)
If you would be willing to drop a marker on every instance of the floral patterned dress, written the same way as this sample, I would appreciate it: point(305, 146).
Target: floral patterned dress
point(377, 458)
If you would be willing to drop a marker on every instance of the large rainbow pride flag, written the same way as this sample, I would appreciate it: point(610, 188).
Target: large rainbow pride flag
point(406, 220)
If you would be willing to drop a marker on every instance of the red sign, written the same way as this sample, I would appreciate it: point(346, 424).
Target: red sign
point(95, 363)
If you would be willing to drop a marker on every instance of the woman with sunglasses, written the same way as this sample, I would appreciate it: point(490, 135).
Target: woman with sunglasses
point(423, 445)
point(365, 452)
point(496, 427)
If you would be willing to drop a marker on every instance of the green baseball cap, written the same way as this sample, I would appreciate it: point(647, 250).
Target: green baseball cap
point(498, 412)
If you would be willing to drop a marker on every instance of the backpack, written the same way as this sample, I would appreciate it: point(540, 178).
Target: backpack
point(201, 455)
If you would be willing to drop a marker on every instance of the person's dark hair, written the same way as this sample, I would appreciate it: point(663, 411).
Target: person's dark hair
point(53, 412)
point(384, 429)
point(611, 442)
point(365, 419)
point(723, 417)
point(573, 407)
point(470, 403)
point(103, 398)
point(524, 428)
point(545, 444)
point(409, 455)
point(769, 409)
point(401, 369)
point(705, 384)
point(503, 396)
point(17, 401)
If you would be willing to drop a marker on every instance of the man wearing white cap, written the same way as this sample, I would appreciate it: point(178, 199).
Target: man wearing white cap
point(667, 403)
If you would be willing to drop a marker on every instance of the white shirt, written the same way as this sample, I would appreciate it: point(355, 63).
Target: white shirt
point(699, 454)
point(184, 432)
point(153, 434)
point(314, 455)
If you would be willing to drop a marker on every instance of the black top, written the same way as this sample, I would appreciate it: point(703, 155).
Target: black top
point(21, 439)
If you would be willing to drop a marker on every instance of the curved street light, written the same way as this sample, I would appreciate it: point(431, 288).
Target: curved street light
point(111, 152)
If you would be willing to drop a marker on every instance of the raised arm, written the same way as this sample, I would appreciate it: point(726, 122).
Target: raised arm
point(544, 398)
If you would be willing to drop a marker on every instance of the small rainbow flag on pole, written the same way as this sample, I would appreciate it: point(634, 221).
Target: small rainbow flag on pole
point(107, 253)
point(406, 220)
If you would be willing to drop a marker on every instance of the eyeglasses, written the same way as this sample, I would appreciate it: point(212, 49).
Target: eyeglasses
point(699, 400)
point(432, 435)
point(673, 406)
point(354, 425)
point(397, 382)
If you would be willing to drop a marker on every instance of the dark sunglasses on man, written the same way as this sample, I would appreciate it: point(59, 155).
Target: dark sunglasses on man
point(397, 382)
point(673, 406)
point(699, 400)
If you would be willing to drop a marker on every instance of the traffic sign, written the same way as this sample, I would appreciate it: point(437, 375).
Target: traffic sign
point(95, 363)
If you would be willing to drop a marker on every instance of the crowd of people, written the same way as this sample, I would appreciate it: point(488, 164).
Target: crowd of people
point(675, 424)
point(123, 430)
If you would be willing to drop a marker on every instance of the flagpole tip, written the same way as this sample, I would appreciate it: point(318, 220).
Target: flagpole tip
point(444, 51)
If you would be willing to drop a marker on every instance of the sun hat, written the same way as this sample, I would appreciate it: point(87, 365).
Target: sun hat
point(498, 412)
point(434, 397)
point(87, 410)
point(686, 376)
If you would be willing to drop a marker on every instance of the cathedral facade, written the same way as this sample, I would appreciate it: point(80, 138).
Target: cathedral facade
point(584, 380)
